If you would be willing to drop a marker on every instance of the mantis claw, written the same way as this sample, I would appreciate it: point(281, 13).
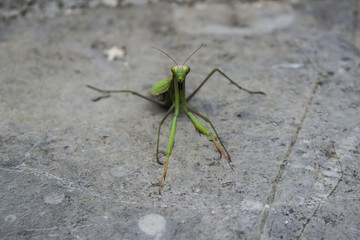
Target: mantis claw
point(99, 98)
point(164, 174)
point(221, 152)
point(162, 178)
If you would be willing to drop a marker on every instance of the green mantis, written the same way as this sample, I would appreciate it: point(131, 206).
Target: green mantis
point(170, 93)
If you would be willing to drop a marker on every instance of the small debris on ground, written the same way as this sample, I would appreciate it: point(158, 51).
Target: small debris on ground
point(114, 53)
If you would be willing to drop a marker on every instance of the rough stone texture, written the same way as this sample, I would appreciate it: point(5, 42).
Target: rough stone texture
point(76, 169)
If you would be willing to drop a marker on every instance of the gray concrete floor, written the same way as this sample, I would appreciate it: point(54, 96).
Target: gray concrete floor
point(76, 169)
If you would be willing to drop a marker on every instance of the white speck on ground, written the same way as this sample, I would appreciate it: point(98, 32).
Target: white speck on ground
point(153, 225)
point(114, 53)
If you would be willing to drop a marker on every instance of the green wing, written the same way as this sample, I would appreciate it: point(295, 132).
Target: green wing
point(160, 87)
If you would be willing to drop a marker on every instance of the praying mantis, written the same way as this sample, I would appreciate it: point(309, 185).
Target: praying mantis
point(170, 93)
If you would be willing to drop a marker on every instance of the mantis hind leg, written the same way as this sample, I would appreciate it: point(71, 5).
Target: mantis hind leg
point(108, 92)
point(224, 75)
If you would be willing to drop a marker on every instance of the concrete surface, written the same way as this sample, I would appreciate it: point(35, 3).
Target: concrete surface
point(76, 169)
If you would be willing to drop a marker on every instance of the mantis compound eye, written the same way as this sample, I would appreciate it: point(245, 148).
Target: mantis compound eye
point(186, 69)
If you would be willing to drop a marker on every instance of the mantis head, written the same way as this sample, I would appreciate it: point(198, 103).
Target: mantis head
point(180, 72)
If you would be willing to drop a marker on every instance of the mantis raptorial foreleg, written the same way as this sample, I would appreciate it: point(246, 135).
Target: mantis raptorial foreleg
point(202, 129)
point(212, 126)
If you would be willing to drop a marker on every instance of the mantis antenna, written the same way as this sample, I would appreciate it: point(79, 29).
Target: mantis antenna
point(192, 54)
point(173, 59)
point(166, 55)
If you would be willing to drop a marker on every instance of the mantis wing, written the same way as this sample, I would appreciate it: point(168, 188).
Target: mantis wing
point(160, 87)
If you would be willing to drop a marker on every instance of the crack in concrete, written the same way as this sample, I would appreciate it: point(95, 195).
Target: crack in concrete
point(327, 197)
point(271, 196)
point(319, 173)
